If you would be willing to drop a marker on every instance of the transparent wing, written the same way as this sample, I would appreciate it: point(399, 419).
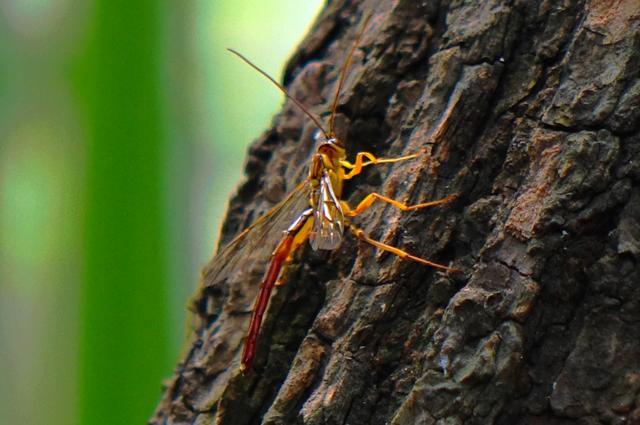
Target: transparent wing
point(231, 280)
point(238, 268)
point(328, 223)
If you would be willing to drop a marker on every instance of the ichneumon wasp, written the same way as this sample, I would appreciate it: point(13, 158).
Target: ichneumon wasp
point(321, 216)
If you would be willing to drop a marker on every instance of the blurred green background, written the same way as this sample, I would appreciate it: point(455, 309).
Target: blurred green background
point(123, 126)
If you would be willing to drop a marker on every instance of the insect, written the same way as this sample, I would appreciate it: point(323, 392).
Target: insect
point(315, 209)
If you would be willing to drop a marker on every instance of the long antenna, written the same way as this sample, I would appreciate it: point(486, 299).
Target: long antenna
point(343, 73)
point(283, 90)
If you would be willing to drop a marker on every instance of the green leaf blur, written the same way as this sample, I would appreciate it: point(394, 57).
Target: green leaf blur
point(123, 345)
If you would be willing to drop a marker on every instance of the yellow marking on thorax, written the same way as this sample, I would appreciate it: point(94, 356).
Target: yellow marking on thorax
point(336, 173)
point(331, 164)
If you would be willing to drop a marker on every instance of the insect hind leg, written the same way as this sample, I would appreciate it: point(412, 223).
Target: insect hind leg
point(360, 234)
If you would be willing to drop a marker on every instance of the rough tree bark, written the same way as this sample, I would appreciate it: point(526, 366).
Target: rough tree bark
point(530, 111)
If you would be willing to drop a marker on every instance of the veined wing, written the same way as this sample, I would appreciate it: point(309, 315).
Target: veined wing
point(238, 267)
point(328, 218)
point(298, 192)
point(231, 280)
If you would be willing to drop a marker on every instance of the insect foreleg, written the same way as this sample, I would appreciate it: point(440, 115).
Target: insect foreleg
point(360, 163)
point(293, 237)
point(360, 234)
point(372, 197)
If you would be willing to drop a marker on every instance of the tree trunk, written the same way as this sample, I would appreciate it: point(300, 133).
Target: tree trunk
point(530, 112)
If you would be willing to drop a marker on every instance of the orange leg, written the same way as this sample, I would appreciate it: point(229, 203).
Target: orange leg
point(371, 198)
point(360, 163)
point(360, 234)
point(293, 237)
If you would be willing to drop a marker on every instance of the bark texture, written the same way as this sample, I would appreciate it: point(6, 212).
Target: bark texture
point(530, 111)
